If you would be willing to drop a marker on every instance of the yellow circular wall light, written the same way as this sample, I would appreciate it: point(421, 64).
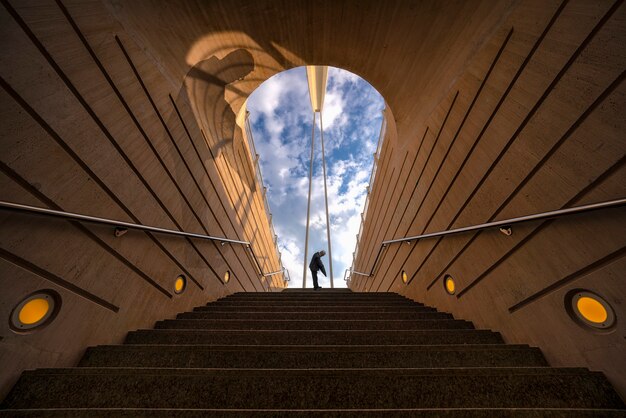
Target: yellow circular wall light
point(226, 276)
point(405, 277)
point(449, 284)
point(35, 311)
point(590, 310)
point(180, 284)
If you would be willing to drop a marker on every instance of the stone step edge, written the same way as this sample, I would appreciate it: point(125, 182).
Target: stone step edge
point(315, 410)
point(329, 347)
point(316, 320)
point(328, 372)
point(276, 331)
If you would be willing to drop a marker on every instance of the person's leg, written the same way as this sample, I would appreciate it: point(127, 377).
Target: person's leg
point(314, 275)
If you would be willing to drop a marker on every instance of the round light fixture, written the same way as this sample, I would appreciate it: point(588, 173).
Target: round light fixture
point(589, 309)
point(180, 284)
point(449, 284)
point(35, 311)
point(405, 277)
point(226, 276)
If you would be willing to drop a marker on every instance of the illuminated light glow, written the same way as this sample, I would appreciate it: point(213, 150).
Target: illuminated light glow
point(589, 310)
point(179, 284)
point(449, 285)
point(405, 277)
point(226, 277)
point(34, 311)
point(592, 310)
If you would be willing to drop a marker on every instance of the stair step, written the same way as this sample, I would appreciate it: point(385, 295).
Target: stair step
point(340, 291)
point(331, 413)
point(202, 356)
point(300, 308)
point(357, 303)
point(274, 296)
point(307, 389)
point(327, 324)
point(315, 315)
point(329, 337)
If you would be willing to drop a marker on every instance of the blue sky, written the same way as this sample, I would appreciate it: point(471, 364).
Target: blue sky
point(281, 118)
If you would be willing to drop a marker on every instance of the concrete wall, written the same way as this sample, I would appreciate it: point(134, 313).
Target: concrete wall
point(499, 108)
point(91, 125)
point(534, 123)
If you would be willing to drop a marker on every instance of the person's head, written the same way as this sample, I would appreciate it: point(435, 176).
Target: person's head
point(322, 253)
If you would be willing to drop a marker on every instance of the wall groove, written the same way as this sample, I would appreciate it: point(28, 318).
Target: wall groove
point(185, 163)
point(526, 120)
point(95, 118)
point(9, 172)
point(63, 145)
point(53, 278)
point(239, 159)
point(227, 189)
point(484, 129)
point(591, 268)
point(130, 113)
point(395, 186)
point(536, 168)
point(387, 152)
point(238, 235)
point(544, 224)
point(255, 197)
point(417, 183)
point(453, 141)
point(375, 228)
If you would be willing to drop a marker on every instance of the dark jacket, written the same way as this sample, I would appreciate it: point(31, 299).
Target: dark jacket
point(316, 264)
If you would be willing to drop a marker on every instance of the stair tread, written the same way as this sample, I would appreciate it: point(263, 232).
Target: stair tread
point(408, 412)
point(289, 324)
point(315, 337)
point(357, 348)
point(230, 372)
point(315, 315)
point(204, 388)
point(313, 349)
point(299, 308)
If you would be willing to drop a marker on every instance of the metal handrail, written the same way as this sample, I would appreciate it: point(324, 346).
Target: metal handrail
point(274, 273)
point(503, 223)
point(126, 225)
point(112, 222)
point(353, 272)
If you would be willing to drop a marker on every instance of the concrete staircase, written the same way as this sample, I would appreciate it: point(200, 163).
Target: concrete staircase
point(305, 353)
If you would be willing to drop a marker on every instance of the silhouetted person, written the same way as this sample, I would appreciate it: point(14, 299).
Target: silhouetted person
point(317, 265)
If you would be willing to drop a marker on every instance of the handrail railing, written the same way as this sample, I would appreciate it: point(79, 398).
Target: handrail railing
point(127, 225)
point(112, 222)
point(287, 277)
point(353, 272)
point(503, 223)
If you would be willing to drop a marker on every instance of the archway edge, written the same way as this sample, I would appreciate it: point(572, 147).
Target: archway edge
point(411, 53)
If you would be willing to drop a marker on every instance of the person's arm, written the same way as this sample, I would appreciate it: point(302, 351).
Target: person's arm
point(321, 266)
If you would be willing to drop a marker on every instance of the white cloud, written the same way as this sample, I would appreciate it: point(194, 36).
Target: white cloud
point(333, 112)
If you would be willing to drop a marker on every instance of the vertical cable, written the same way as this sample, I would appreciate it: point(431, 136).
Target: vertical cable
point(330, 253)
point(308, 207)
